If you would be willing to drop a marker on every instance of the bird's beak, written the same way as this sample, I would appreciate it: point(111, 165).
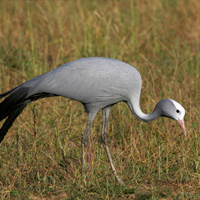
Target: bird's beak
point(182, 124)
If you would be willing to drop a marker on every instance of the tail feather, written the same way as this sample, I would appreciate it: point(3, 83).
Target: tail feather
point(6, 93)
point(16, 98)
point(12, 106)
point(9, 121)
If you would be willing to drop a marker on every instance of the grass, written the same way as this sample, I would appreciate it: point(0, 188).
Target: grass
point(40, 158)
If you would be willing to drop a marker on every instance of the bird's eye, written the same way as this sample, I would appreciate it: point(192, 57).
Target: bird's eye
point(178, 111)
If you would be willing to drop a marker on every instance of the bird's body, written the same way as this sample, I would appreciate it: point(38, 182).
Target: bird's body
point(98, 83)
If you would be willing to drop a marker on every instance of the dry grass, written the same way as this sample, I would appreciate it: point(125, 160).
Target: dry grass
point(161, 39)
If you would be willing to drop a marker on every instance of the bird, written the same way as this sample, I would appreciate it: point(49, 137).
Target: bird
point(98, 83)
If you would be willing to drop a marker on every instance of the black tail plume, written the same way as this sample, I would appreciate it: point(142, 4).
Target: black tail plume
point(12, 106)
point(9, 121)
point(16, 98)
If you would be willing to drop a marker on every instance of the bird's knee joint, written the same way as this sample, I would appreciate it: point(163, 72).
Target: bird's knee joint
point(104, 138)
point(84, 141)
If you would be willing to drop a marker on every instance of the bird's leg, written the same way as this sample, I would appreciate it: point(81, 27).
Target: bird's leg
point(84, 144)
point(84, 138)
point(104, 138)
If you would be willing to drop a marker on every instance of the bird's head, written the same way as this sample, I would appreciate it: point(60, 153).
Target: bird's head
point(171, 109)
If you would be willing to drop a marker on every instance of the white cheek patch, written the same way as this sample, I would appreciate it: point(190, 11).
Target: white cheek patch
point(180, 108)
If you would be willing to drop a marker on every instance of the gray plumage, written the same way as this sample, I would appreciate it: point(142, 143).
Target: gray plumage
point(98, 83)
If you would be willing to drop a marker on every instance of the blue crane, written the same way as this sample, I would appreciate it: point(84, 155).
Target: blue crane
point(98, 83)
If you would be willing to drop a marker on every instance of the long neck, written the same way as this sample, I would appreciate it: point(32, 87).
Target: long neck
point(134, 106)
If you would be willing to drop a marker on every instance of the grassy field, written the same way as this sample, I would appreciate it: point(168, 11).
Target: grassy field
point(40, 157)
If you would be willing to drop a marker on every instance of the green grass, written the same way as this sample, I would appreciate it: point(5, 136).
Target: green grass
point(161, 39)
